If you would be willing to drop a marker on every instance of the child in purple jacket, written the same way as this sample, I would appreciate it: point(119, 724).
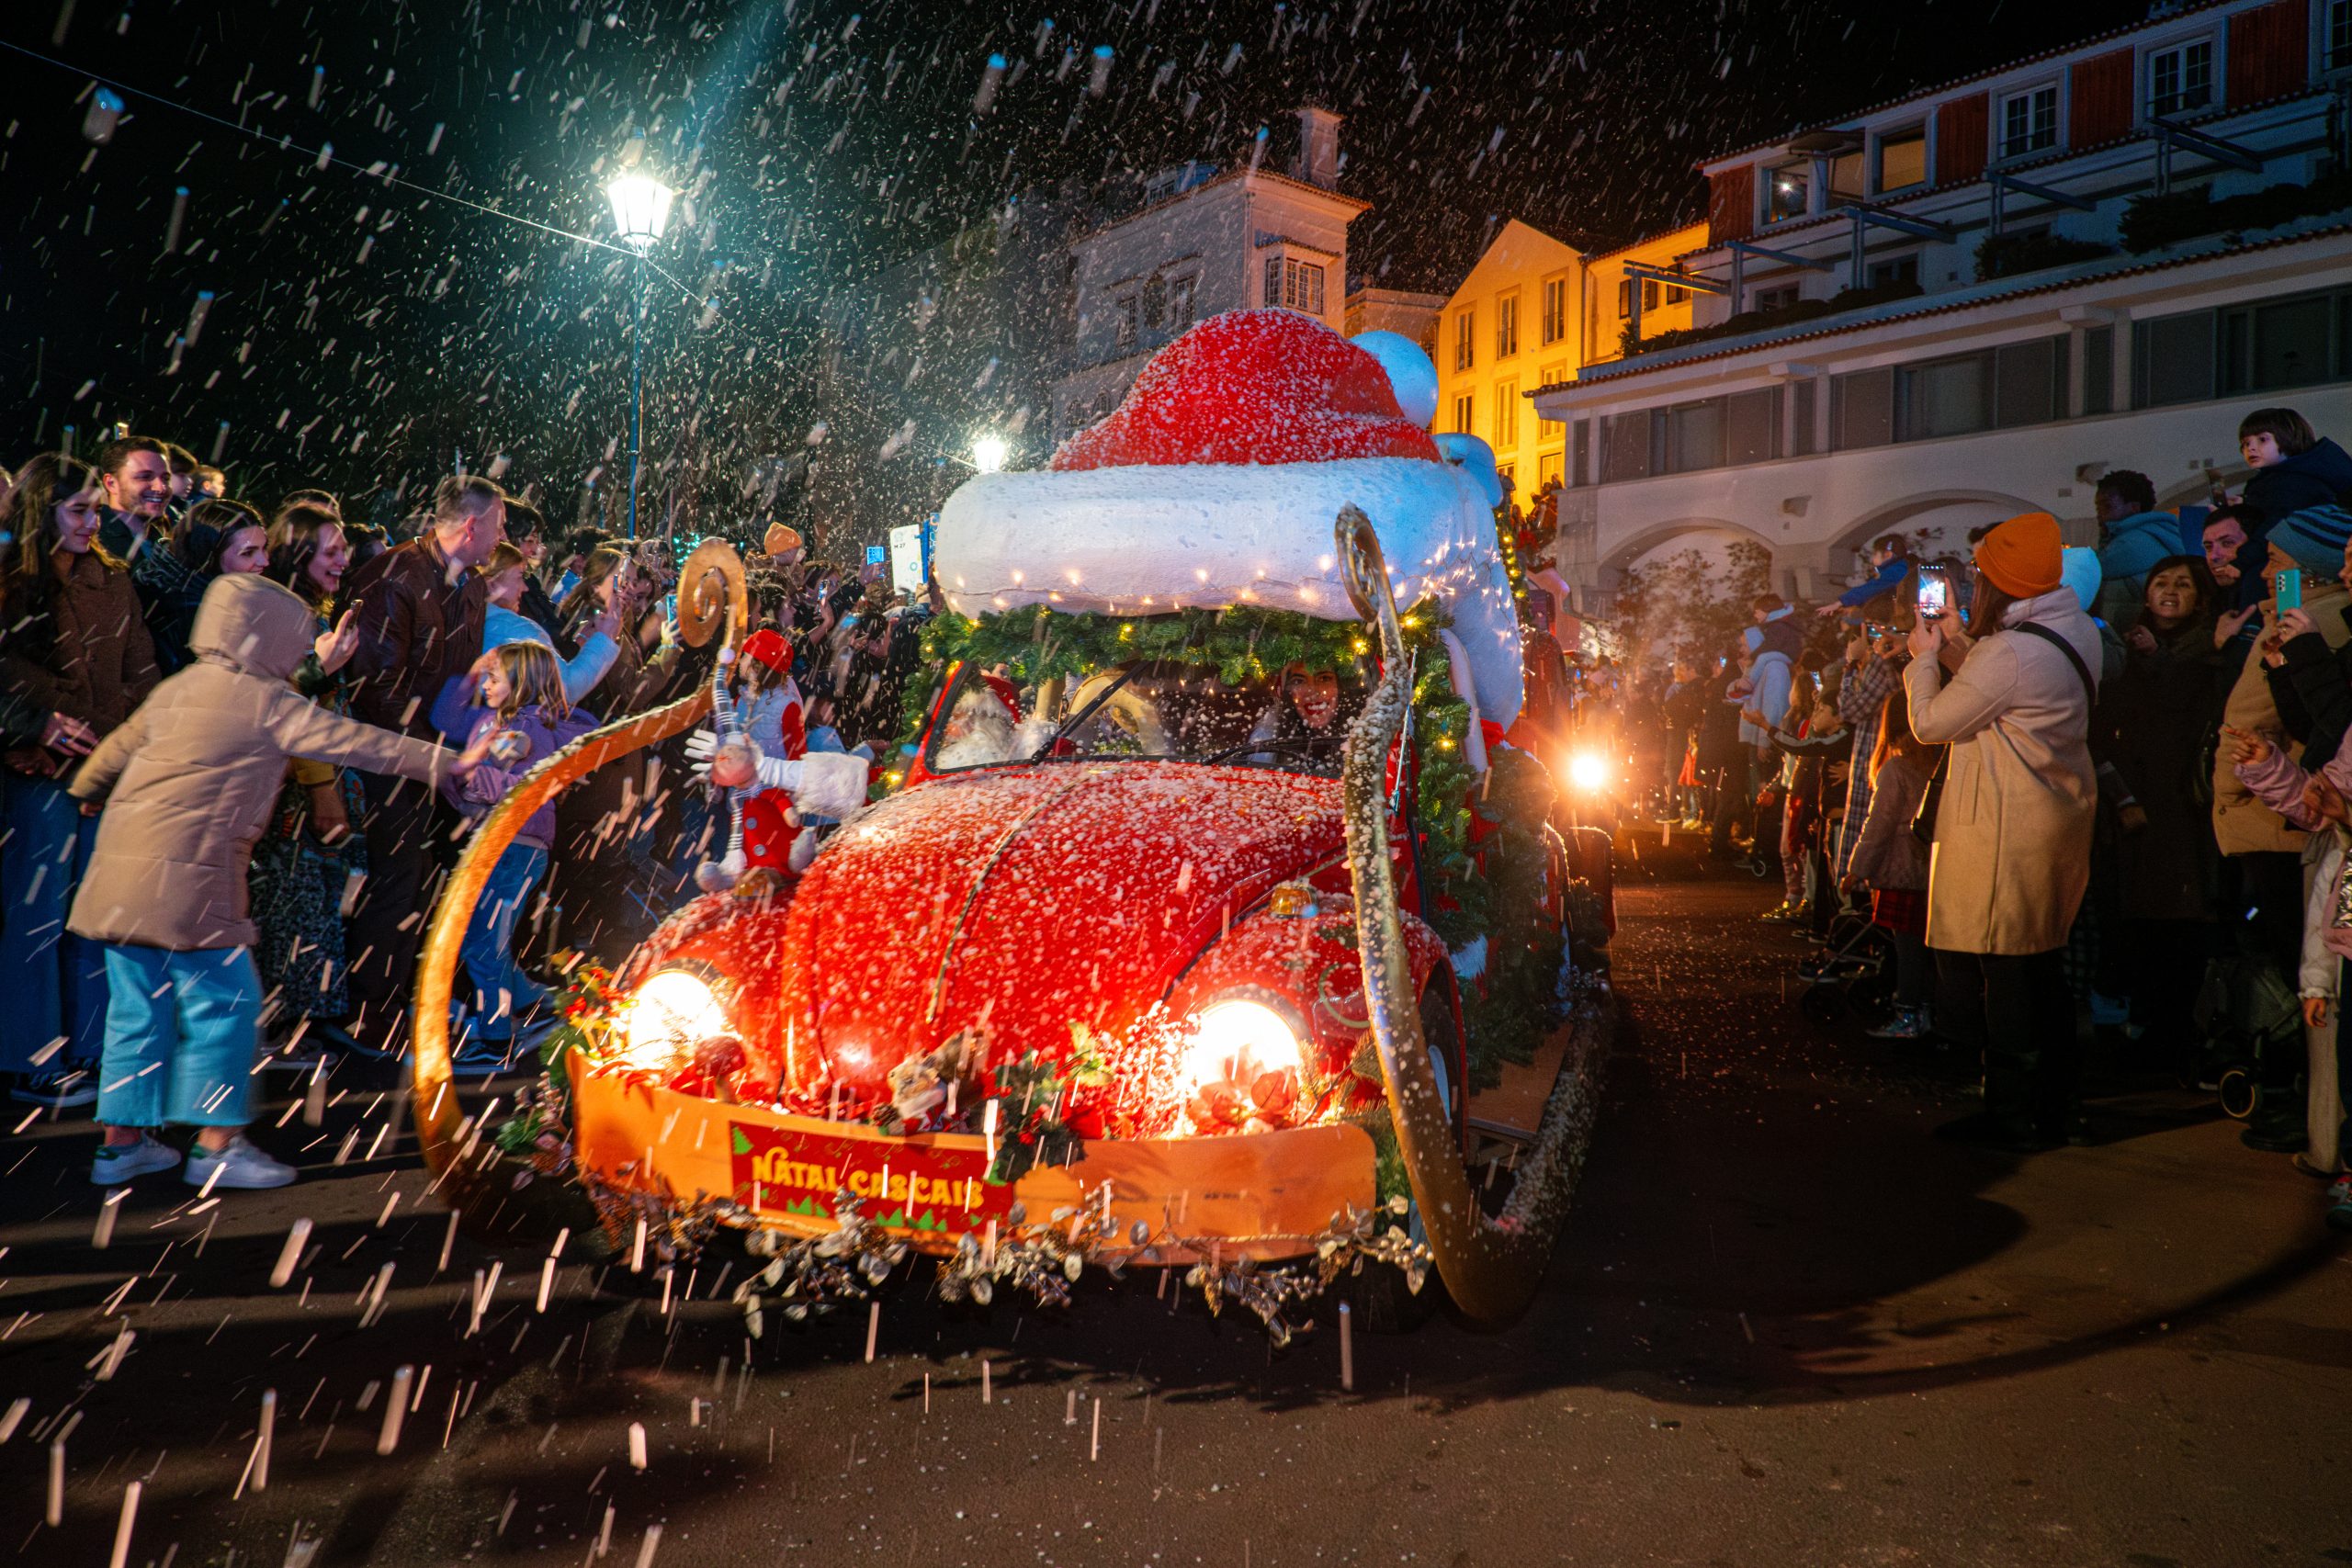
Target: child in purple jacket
point(521, 706)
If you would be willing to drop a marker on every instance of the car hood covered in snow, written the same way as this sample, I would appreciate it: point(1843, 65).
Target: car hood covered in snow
point(1009, 903)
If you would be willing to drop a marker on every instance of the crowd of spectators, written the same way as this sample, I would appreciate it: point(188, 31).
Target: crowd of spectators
point(2099, 795)
point(242, 750)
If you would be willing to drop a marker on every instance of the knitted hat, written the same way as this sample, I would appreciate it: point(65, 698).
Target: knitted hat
point(2080, 571)
point(2315, 538)
point(780, 539)
point(2022, 557)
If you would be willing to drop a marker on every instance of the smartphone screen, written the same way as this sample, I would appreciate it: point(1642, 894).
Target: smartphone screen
point(875, 555)
point(1935, 592)
point(2291, 589)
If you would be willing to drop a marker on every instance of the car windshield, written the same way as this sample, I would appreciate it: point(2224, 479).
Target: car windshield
point(1296, 721)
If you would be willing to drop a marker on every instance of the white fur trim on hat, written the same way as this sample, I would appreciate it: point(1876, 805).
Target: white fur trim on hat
point(1147, 539)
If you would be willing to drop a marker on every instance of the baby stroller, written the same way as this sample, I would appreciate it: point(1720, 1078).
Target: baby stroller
point(2252, 1025)
point(1855, 969)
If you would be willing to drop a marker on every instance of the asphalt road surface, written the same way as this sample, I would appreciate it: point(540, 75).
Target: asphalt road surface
point(1785, 1326)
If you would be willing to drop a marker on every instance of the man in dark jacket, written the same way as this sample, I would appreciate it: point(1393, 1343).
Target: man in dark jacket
point(136, 479)
point(418, 608)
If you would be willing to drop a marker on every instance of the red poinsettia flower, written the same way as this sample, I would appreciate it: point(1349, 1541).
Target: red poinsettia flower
point(1276, 1095)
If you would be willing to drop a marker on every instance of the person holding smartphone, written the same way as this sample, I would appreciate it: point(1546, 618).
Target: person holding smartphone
point(2011, 695)
point(2268, 860)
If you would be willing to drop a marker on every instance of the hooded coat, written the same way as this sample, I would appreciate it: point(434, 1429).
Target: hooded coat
point(2013, 830)
point(190, 778)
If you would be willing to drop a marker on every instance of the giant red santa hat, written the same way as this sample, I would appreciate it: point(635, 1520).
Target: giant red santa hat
point(1216, 482)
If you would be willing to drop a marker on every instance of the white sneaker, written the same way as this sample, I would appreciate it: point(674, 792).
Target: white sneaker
point(235, 1164)
point(61, 1089)
point(115, 1164)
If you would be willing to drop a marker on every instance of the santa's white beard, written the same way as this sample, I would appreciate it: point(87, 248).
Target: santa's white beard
point(975, 748)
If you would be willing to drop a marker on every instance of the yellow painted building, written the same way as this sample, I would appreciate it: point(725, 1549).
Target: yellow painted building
point(1510, 328)
point(1531, 314)
point(1612, 293)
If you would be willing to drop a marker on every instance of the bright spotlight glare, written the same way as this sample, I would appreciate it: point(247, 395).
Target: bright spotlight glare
point(1588, 770)
point(1236, 1041)
point(640, 209)
point(987, 454)
point(670, 1013)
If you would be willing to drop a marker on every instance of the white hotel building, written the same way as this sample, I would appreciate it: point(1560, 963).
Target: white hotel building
point(1972, 302)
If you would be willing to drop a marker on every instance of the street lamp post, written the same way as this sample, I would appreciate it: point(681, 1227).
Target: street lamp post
point(641, 213)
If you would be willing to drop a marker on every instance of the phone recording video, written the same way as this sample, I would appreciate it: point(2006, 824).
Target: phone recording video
point(1935, 591)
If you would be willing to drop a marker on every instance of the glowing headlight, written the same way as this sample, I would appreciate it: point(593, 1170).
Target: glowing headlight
point(1588, 770)
point(670, 1012)
point(1236, 1040)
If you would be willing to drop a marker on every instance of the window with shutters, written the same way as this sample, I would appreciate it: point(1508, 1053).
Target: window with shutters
point(1130, 316)
point(2029, 121)
point(1506, 415)
point(1625, 300)
point(1547, 472)
point(1464, 407)
point(1180, 303)
point(1555, 303)
point(1294, 285)
point(1506, 325)
point(2180, 78)
point(1465, 346)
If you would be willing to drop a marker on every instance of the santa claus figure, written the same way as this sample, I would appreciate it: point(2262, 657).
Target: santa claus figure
point(982, 728)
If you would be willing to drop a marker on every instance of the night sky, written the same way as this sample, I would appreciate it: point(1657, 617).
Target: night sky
point(364, 333)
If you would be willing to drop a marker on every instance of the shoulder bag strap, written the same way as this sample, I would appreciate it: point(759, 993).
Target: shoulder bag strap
point(2090, 687)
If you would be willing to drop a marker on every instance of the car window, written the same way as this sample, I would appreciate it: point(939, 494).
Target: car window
point(1171, 711)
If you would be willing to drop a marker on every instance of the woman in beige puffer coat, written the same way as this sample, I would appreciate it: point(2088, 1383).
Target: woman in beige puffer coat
point(187, 782)
point(2011, 857)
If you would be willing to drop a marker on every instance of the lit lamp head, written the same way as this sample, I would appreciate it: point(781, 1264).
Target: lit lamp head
point(640, 209)
point(987, 454)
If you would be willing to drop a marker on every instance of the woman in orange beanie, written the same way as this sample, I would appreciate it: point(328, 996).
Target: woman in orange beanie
point(2012, 696)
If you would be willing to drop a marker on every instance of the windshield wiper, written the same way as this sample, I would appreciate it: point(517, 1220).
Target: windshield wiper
point(1063, 729)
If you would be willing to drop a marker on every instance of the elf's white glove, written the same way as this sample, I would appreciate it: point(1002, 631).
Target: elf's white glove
point(822, 784)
